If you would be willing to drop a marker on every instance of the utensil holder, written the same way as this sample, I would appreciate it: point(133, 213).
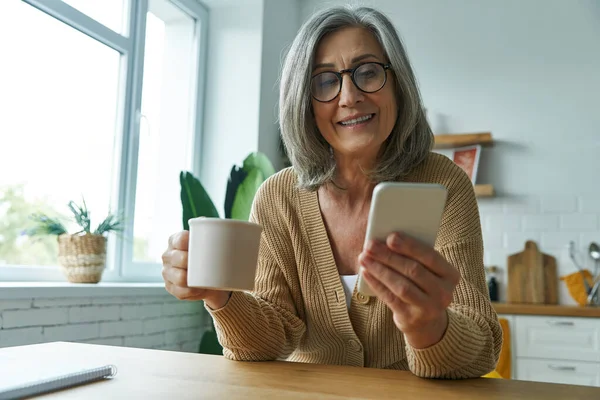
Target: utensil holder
point(576, 286)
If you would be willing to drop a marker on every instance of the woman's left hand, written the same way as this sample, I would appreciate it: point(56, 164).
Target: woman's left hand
point(415, 282)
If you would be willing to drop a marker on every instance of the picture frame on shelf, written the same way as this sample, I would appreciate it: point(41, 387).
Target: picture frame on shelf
point(466, 157)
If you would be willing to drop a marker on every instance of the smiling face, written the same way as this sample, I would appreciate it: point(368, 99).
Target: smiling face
point(354, 123)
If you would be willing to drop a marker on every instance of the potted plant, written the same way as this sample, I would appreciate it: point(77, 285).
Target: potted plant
point(82, 254)
point(242, 184)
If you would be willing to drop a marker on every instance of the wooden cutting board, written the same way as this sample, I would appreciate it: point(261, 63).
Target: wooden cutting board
point(532, 277)
point(551, 283)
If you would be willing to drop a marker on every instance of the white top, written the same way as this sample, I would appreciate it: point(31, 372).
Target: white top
point(348, 281)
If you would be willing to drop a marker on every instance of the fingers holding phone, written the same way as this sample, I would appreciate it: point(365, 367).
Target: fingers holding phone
point(413, 271)
point(399, 264)
point(415, 282)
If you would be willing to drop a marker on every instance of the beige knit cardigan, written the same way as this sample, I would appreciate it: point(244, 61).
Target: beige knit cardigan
point(297, 311)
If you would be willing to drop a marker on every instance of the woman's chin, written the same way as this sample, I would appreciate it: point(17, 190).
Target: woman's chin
point(359, 149)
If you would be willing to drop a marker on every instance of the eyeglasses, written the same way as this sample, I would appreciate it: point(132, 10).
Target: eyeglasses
point(368, 77)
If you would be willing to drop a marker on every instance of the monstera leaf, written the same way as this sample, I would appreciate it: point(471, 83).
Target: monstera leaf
point(194, 199)
point(242, 204)
point(257, 168)
point(259, 161)
point(236, 177)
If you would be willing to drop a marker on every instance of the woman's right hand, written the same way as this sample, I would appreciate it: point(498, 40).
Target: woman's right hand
point(174, 273)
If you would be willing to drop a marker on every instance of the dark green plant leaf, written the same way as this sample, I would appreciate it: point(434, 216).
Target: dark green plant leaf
point(186, 200)
point(261, 161)
point(242, 205)
point(209, 344)
point(236, 177)
point(195, 200)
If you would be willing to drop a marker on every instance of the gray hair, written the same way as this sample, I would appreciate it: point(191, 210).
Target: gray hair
point(411, 138)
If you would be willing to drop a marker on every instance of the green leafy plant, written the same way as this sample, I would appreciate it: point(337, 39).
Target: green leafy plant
point(242, 185)
point(47, 225)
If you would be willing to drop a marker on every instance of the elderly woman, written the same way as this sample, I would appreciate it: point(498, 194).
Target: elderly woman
point(351, 116)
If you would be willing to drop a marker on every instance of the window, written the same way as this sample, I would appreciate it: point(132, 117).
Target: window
point(100, 101)
point(166, 135)
point(112, 13)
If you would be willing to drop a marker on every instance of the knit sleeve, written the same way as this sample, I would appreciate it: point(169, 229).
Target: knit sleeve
point(472, 342)
point(263, 324)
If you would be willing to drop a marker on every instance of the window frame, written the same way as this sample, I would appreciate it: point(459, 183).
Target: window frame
point(120, 266)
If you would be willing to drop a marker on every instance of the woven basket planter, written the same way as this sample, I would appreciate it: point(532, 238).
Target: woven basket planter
point(82, 257)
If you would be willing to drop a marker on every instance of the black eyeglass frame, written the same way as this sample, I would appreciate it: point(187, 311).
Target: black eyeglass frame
point(351, 71)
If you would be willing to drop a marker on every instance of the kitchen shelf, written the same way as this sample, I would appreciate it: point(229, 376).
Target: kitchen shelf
point(484, 190)
point(453, 140)
point(546, 309)
point(448, 141)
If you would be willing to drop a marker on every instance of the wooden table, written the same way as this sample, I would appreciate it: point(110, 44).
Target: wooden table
point(156, 374)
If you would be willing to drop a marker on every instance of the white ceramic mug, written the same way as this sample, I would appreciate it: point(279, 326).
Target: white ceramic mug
point(223, 253)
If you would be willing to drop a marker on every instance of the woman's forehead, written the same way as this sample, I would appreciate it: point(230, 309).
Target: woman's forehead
point(347, 43)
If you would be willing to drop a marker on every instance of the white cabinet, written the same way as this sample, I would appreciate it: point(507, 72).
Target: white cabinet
point(558, 371)
point(561, 338)
point(555, 349)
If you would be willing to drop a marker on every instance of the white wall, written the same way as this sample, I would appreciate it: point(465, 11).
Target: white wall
point(246, 43)
point(154, 322)
point(528, 72)
point(281, 21)
point(231, 111)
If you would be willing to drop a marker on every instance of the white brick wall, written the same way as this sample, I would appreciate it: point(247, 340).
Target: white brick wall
point(551, 220)
point(158, 322)
point(559, 204)
point(142, 311)
point(589, 204)
point(540, 223)
point(94, 313)
point(33, 317)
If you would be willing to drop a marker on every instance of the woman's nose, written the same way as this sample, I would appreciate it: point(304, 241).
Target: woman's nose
point(350, 94)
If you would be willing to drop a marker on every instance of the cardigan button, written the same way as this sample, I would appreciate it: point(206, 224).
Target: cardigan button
point(362, 299)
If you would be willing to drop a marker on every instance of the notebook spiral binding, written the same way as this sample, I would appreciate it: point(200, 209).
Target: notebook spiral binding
point(59, 382)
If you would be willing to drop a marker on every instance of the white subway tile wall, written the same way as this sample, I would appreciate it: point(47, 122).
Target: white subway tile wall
point(551, 220)
point(153, 322)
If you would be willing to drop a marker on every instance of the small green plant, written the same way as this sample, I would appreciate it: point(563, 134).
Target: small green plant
point(46, 225)
point(241, 188)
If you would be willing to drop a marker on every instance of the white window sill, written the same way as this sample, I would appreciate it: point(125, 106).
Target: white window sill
point(21, 290)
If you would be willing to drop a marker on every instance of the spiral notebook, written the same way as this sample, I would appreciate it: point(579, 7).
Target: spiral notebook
point(57, 382)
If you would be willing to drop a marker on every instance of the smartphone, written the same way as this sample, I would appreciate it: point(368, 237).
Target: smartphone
point(412, 208)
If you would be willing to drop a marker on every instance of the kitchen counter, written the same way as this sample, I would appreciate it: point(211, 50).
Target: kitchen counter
point(547, 309)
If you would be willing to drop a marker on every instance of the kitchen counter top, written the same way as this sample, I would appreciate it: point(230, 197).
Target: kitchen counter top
point(547, 309)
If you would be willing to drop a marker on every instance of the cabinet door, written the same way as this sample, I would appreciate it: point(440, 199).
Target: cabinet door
point(559, 338)
point(559, 371)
